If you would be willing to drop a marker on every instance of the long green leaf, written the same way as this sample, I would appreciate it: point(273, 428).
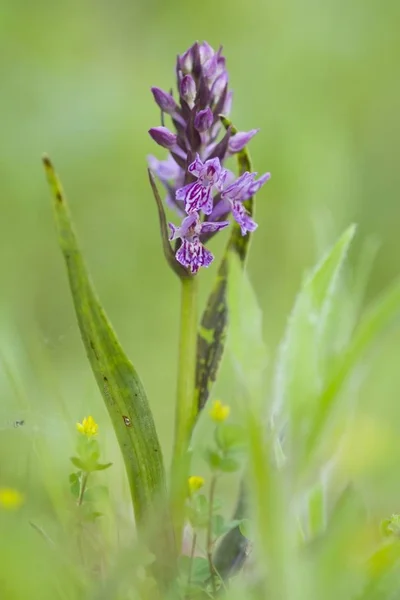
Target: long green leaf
point(376, 319)
point(301, 362)
point(213, 328)
point(116, 377)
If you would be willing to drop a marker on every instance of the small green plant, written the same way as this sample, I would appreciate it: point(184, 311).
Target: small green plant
point(87, 460)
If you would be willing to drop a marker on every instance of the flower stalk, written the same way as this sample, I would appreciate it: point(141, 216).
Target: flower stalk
point(185, 412)
point(82, 488)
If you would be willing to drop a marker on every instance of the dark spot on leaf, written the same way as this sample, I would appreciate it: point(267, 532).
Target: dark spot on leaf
point(94, 349)
point(59, 196)
point(127, 421)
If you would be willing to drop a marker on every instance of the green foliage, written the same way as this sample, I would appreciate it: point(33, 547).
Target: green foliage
point(302, 360)
point(299, 529)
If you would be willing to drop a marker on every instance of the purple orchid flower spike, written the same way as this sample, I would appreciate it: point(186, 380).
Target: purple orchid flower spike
point(194, 174)
point(238, 192)
point(192, 254)
point(198, 195)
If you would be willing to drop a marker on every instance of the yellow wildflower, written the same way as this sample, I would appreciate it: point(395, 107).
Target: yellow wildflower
point(88, 427)
point(10, 498)
point(195, 483)
point(219, 412)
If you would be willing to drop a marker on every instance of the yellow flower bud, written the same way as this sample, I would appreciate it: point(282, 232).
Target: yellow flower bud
point(88, 427)
point(10, 498)
point(219, 412)
point(195, 483)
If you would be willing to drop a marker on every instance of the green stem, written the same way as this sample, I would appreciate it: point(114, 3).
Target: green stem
point(185, 411)
point(210, 533)
point(192, 551)
point(84, 480)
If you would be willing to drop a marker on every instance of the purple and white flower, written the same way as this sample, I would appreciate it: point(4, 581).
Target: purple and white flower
point(205, 186)
point(238, 192)
point(198, 195)
point(192, 254)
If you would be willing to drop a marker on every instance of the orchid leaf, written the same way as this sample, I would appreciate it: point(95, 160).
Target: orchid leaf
point(119, 383)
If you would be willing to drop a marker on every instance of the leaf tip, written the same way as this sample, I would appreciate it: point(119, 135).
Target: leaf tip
point(46, 161)
point(52, 178)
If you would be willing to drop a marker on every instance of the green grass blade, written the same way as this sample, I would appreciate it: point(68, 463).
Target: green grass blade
point(213, 328)
point(116, 377)
point(301, 363)
point(376, 319)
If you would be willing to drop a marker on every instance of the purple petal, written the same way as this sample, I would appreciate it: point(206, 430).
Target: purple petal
point(222, 179)
point(238, 190)
point(165, 169)
point(208, 227)
point(243, 218)
point(205, 257)
point(188, 90)
point(228, 103)
point(206, 52)
point(185, 60)
point(184, 230)
point(194, 255)
point(196, 197)
point(196, 167)
point(259, 183)
point(163, 136)
point(208, 204)
point(211, 172)
point(219, 84)
point(210, 67)
point(182, 192)
point(174, 232)
point(203, 120)
point(221, 65)
point(164, 100)
point(241, 139)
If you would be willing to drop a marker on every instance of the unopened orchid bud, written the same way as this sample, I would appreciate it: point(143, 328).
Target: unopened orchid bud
point(164, 100)
point(188, 90)
point(203, 120)
point(163, 137)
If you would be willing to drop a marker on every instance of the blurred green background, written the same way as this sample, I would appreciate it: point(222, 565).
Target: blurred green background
point(321, 81)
